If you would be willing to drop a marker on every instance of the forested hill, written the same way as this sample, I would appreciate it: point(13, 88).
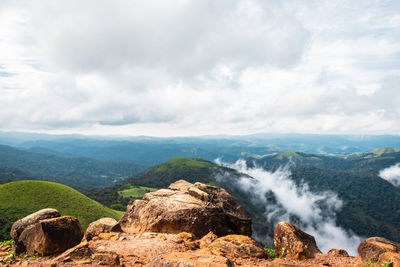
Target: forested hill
point(370, 204)
point(368, 162)
point(161, 176)
point(80, 173)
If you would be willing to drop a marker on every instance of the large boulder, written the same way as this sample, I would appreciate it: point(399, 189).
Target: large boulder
point(19, 226)
point(293, 243)
point(50, 236)
point(103, 225)
point(184, 207)
point(373, 247)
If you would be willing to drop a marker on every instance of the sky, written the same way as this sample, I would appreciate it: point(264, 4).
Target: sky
point(179, 67)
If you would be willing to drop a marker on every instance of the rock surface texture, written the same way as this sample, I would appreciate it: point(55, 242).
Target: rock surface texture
point(184, 207)
point(373, 247)
point(50, 236)
point(293, 243)
point(236, 246)
point(103, 225)
point(388, 257)
point(338, 252)
point(19, 226)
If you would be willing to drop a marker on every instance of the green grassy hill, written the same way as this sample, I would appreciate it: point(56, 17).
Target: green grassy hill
point(18, 199)
point(191, 170)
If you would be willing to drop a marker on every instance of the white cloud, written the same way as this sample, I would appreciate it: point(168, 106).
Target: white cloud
point(391, 174)
point(314, 213)
point(251, 66)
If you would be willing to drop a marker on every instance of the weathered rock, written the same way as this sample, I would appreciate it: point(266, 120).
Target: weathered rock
point(79, 252)
point(392, 257)
point(237, 246)
point(373, 247)
point(103, 225)
point(50, 236)
point(338, 252)
point(197, 259)
point(19, 226)
point(183, 237)
point(293, 243)
point(185, 207)
point(106, 259)
point(206, 240)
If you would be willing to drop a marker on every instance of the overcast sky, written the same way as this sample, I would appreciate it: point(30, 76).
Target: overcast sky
point(183, 67)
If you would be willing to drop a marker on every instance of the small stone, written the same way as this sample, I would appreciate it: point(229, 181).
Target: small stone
point(103, 225)
point(237, 246)
point(106, 258)
point(338, 252)
point(206, 240)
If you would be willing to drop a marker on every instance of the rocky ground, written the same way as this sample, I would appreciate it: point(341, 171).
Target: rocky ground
point(160, 249)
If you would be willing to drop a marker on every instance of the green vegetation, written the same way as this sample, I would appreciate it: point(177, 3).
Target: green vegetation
point(79, 173)
point(191, 170)
point(160, 176)
point(384, 150)
point(271, 253)
point(371, 262)
point(7, 243)
point(370, 204)
point(388, 263)
point(18, 199)
point(136, 191)
point(181, 162)
point(288, 154)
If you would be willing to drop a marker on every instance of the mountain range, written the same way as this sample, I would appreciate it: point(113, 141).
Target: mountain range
point(115, 171)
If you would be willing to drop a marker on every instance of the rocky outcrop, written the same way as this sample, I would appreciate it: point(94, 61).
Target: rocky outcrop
point(373, 247)
point(19, 226)
point(236, 246)
point(184, 207)
point(50, 236)
point(293, 243)
point(103, 225)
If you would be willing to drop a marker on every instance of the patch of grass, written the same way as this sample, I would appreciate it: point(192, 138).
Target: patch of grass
point(136, 191)
point(388, 263)
point(271, 253)
point(7, 243)
point(372, 262)
point(19, 199)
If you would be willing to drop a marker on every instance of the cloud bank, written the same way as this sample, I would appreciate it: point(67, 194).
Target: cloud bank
point(391, 174)
point(155, 68)
point(285, 201)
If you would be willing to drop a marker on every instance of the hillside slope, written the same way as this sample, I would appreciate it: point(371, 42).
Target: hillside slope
point(370, 204)
point(80, 173)
point(368, 162)
point(18, 199)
